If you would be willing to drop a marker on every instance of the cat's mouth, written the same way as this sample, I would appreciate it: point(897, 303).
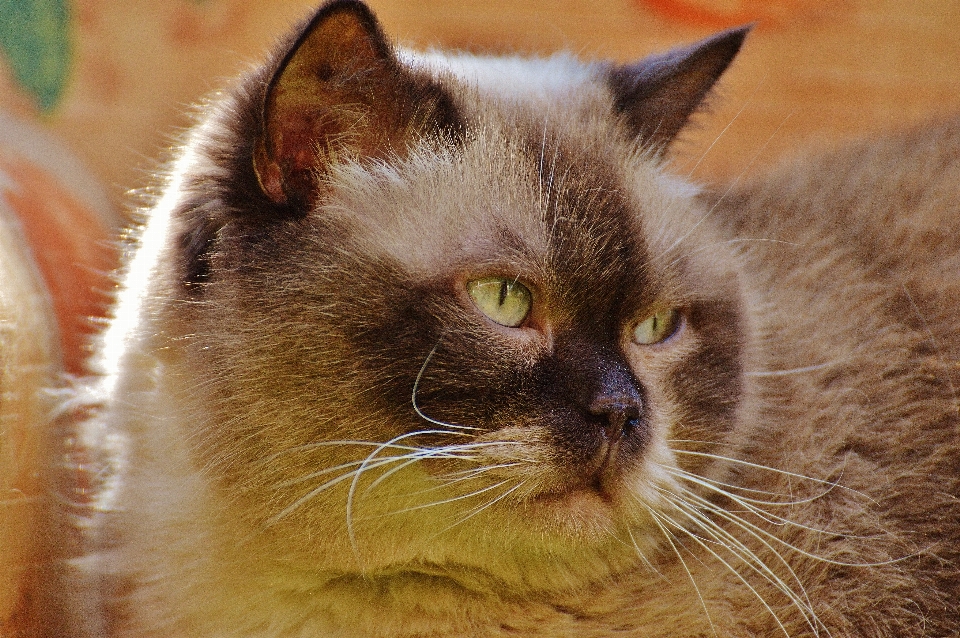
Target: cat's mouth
point(601, 472)
point(590, 501)
point(601, 475)
point(584, 462)
point(606, 472)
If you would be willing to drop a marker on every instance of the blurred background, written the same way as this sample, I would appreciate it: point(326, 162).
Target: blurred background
point(111, 79)
point(92, 92)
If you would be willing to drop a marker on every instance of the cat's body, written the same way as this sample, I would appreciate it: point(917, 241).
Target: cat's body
point(676, 415)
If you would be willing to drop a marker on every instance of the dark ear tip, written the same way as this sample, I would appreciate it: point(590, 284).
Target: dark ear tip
point(358, 8)
point(658, 94)
point(284, 176)
point(731, 39)
point(743, 29)
point(333, 5)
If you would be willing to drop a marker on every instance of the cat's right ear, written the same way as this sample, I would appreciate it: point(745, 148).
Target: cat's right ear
point(339, 94)
point(657, 95)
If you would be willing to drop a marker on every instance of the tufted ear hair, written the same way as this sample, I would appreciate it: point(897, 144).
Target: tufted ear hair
point(339, 94)
point(657, 95)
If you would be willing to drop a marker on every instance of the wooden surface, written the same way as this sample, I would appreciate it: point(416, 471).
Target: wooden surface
point(812, 73)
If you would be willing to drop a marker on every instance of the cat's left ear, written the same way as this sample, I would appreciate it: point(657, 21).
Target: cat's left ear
point(657, 95)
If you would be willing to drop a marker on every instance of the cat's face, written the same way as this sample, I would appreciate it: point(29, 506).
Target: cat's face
point(477, 332)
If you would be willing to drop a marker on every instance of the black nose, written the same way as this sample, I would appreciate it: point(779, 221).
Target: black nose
point(619, 414)
point(616, 401)
point(608, 396)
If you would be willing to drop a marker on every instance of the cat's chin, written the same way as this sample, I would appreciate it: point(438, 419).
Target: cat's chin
point(549, 541)
point(584, 514)
point(580, 516)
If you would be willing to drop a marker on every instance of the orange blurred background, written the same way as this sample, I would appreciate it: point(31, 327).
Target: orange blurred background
point(814, 71)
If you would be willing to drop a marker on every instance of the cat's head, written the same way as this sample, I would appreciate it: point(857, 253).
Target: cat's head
point(449, 314)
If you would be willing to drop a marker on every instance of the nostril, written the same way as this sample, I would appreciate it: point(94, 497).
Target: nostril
point(619, 419)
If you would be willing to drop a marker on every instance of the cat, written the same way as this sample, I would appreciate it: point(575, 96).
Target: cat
point(436, 345)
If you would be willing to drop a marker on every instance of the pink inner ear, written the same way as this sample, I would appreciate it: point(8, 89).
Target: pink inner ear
point(269, 176)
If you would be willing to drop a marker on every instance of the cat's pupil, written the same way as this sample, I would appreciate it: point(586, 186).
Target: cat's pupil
point(657, 327)
point(503, 300)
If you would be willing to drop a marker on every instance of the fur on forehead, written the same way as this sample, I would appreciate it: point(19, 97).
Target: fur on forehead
point(542, 82)
point(497, 187)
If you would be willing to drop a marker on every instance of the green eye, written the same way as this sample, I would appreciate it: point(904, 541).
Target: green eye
point(503, 300)
point(656, 327)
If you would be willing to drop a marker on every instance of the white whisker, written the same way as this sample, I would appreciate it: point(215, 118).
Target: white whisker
point(748, 526)
point(767, 468)
point(318, 473)
point(474, 472)
point(716, 139)
point(413, 458)
point(782, 373)
point(446, 480)
point(416, 385)
point(477, 510)
point(718, 486)
point(683, 563)
point(334, 481)
point(732, 569)
point(732, 544)
point(642, 556)
point(452, 499)
point(345, 443)
point(351, 493)
point(733, 184)
point(445, 452)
